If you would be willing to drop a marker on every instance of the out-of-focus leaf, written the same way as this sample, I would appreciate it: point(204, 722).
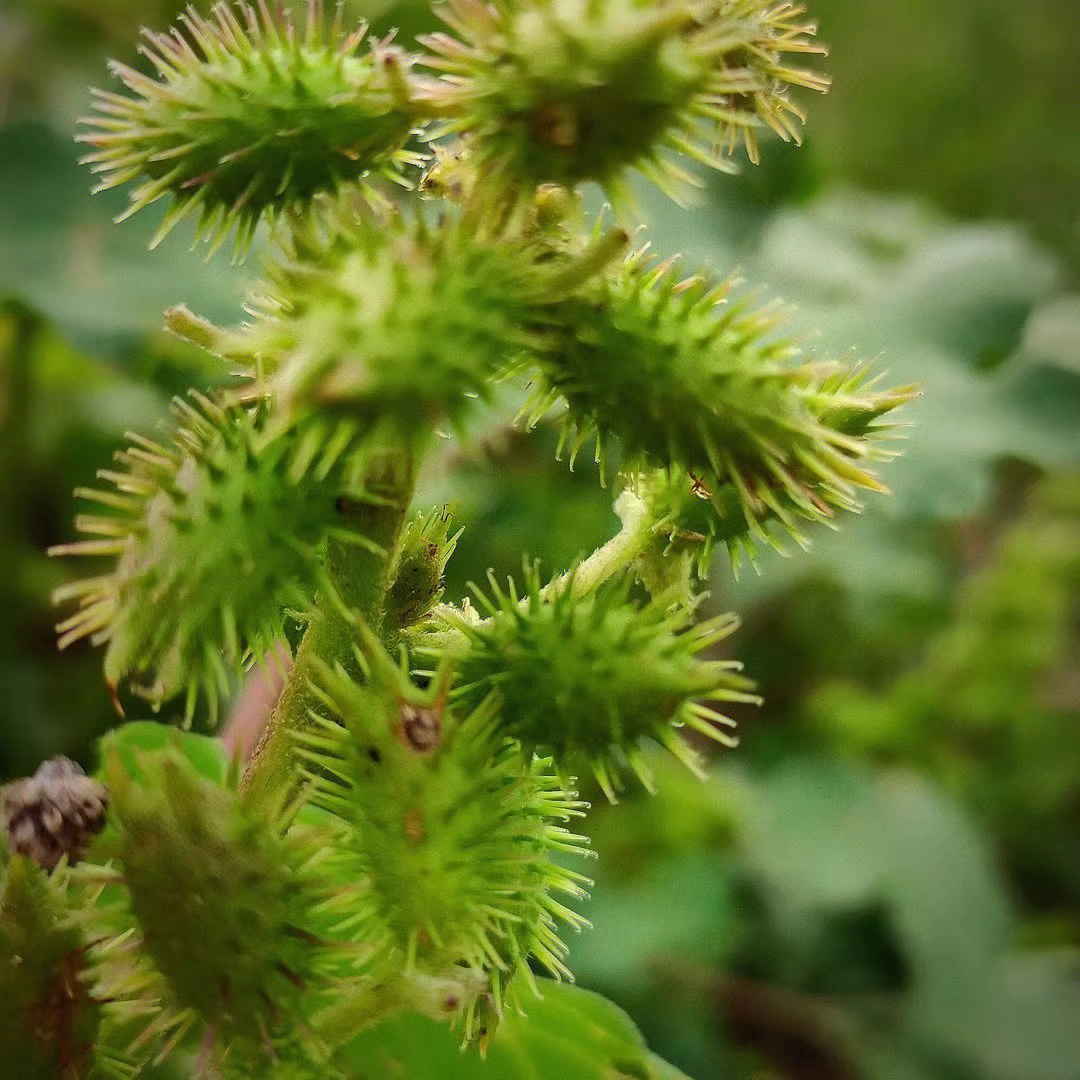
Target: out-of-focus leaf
point(138, 737)
point(827, 836)
point(1052, 334)
point(989, 705)
point(569, 1034)
point(633, 923)
point(62, 256)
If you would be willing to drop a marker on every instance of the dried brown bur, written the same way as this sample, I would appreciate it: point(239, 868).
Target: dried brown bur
point(53, 813)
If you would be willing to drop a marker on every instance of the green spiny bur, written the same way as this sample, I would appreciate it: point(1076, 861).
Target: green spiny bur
point(676, 375)
point(455, 829)
point(392, 320)
point(50, 1022)
point(212, 538)
point(589, 677)
point(555, 92)
point(252, 112)
point(220, 901)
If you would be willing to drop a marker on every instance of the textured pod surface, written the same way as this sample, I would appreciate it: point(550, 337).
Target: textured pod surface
point(49, 1022)
point(455, 830)
point(384, 318)
point(563, 91)
point(588, 677)
point(251, 112)
point(212, 538)
point(203, 921)
point(675, 375)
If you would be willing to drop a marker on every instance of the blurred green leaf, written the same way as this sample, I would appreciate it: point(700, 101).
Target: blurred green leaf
point(62, 256)
point(138, 737)
point(568, 1033)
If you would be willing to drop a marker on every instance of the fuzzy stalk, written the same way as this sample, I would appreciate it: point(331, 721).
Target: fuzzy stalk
point(357, 581)
point(638, 525)
point(640, 522)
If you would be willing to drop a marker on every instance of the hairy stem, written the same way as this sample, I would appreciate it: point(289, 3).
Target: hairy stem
point(367, 1001)
point(617, 554)
point(638, 525)
point(359, 578)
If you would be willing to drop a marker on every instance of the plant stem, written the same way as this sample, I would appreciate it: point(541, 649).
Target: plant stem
point(617, 554)
point(638, 523)
point(359, 576)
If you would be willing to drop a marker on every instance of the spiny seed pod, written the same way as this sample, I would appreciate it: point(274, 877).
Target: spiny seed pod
point(390, 319)
point(55, 812)
point(49, 1023)
point(417, 579)
point(696, 511)
point(681, 378)
point(589, 677)
point(456, 831)
point(205, 916)
point(213, 538)
point(252, 113)
point(550, 91)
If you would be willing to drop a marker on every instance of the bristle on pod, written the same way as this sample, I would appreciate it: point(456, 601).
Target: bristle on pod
point(588, 677)
point(550, 91)
point(211, 537)
point(204, 917)
point(667, 373)
point(459, 835)
point(50, 1023)
point(381, 317)
point(252, 111)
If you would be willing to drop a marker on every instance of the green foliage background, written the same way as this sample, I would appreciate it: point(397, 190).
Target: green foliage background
point(883, 881)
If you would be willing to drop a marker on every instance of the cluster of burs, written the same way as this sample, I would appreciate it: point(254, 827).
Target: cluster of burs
point(403, 836)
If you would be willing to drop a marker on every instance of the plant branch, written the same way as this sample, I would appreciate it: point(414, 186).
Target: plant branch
point(357, 580)
point(638, 525)
point(617, 554)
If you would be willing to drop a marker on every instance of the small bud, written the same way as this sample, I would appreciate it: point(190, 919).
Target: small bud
point(417, 578)
point(55, 812)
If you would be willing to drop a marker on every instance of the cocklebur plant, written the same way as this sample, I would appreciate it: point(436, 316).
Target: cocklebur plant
point(406, 838)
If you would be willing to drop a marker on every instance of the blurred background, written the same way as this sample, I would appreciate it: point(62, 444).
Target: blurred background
point(883, 881)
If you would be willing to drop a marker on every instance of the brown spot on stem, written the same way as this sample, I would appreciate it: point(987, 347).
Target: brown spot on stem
point(414, 825)
point(556, 123)
point(420, 727)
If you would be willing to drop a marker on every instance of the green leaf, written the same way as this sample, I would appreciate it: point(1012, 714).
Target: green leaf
point(637, 921)
point(569, 1034)
point(138, 737)
point(831, 836)
point(61, 255)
